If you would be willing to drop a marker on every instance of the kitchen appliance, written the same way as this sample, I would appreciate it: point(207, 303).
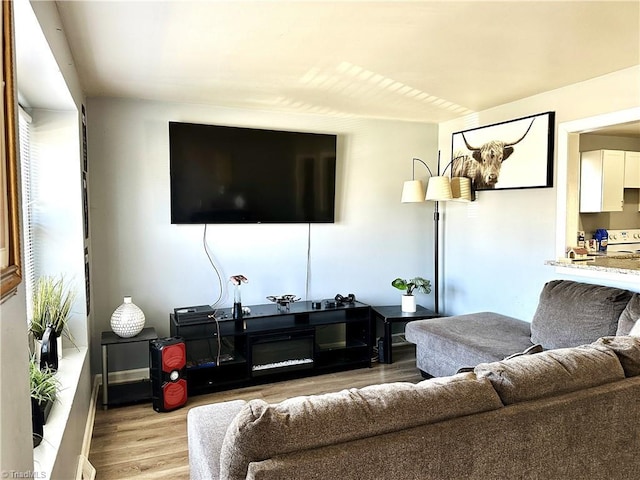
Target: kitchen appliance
point(624, 241)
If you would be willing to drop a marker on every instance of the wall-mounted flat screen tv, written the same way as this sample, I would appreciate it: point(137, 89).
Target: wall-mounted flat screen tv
point(222, 174)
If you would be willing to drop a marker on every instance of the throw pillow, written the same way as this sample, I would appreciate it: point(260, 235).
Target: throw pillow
point(573, 313)
point(629, 316)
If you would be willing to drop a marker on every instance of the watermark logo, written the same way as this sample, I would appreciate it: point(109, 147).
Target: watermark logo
point(23, 474)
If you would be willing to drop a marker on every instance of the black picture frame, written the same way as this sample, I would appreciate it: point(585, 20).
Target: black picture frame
point(526, 142)
point(85, 206)
point(87, 279)
point(85, 160)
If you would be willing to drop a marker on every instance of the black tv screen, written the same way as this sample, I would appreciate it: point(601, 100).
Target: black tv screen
point(223, 174)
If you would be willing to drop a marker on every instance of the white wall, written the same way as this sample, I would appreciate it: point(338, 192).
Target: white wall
point(15, 408)
point(495, 248)
point(136, 250)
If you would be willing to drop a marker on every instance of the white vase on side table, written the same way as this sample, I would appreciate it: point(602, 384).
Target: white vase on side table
point(127, 320)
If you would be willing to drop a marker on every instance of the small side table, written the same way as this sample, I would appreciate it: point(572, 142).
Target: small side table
point(388, 315)
point(129, 392)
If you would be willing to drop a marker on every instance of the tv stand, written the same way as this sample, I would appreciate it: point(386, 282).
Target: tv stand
point(269, 345)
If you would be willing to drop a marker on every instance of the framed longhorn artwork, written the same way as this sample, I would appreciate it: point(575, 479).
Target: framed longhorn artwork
point(508, 155)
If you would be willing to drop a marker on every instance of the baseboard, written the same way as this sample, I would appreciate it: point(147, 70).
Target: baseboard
point(86, 471)
point(126, 376)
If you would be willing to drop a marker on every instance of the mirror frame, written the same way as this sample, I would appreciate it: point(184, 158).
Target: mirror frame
point(11, 274)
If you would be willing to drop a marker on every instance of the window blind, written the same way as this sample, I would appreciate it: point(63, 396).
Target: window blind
point(28, 174)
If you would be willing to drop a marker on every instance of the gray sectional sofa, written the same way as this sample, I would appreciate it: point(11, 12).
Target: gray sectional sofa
point(569, 413)
point(568, 314)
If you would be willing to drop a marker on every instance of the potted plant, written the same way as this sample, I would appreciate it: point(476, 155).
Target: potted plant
point(418, 284)
point(52, 302)
point(43, 387)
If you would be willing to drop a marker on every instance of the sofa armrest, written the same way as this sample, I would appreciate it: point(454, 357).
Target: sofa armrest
point(206, 428)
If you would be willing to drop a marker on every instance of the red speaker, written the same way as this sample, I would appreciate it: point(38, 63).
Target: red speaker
point(168, 373)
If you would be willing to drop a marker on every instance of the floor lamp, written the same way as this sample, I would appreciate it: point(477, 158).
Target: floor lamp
point(439, 189)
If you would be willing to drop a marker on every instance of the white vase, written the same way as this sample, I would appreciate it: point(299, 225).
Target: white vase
point(127, 320)
point(408, 303)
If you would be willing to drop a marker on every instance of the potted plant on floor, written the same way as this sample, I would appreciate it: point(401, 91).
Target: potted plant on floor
point(52, 302)
point(44, 390)
point(417, 284)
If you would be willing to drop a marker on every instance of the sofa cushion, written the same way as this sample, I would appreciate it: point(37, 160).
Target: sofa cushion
point(261, 430)
point(630, 315)
point(628, 351)
point(572, 313)
point(552, 372)
point(446, 344)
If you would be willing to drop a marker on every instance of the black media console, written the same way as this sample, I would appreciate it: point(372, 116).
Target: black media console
point(269, 345)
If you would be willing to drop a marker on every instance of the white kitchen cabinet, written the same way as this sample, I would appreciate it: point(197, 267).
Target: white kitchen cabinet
point(631, 169)
point(602, 181)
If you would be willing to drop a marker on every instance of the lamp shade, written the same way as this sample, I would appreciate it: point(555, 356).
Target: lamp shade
point(439, 188)
point(412, 192)
point(461, 189)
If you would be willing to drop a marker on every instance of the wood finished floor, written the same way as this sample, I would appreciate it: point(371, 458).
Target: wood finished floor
point(136, 442)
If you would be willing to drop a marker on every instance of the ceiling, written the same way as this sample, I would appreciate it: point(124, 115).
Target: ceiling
point(629, 129)
point(428, 61)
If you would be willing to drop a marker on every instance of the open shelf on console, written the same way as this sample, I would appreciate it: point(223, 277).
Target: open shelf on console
point(214, 361)
point(271, 345)
point(341, 345)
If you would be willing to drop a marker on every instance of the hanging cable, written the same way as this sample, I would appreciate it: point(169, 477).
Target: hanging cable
point(206, 251)
point(220, 285)
point(308, 280)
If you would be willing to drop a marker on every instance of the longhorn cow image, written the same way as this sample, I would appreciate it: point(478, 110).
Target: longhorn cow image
point(484, 164)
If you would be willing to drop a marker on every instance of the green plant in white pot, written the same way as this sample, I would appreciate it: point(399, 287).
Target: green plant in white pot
point(417, 284)
point(52, 302)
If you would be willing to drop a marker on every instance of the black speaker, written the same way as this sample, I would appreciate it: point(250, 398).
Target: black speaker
point(168, 373)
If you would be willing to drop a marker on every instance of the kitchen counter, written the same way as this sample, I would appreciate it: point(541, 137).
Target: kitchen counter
point(626, 264)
